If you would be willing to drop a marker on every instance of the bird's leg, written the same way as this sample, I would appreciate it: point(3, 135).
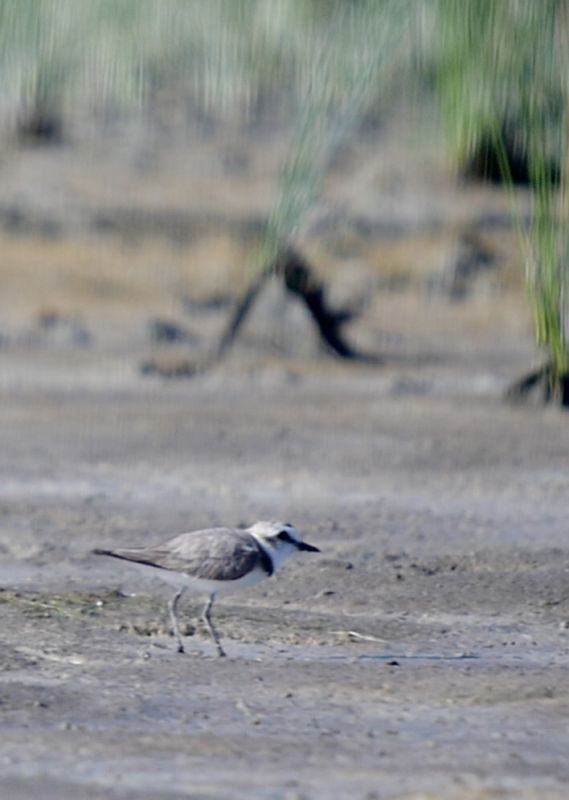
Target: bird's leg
point(206, 616)
point(174, 619)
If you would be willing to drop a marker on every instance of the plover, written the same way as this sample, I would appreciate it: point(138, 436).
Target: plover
point(216, 560)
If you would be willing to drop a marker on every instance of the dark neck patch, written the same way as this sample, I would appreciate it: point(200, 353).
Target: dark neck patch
point(265, 559)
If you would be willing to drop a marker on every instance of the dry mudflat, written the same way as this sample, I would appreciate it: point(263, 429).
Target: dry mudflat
point(423, 654)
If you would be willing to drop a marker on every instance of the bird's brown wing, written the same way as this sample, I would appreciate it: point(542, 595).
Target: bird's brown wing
point(219, 554)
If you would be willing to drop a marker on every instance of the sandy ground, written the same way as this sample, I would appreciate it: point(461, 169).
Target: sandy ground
point(423, 654)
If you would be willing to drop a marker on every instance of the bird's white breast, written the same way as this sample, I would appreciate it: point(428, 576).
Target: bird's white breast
point(202, 585)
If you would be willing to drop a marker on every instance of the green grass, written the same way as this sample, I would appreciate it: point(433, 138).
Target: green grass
point(503, 64)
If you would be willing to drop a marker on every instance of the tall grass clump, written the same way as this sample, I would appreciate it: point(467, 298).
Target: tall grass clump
point(343, 53)
point(502, 72)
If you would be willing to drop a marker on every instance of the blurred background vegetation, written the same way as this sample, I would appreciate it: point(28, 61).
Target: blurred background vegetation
point(488, 77)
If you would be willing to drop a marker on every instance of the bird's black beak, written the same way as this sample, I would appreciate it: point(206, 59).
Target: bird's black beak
point(308, 547)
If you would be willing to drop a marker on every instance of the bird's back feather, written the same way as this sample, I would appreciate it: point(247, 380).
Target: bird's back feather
point(219, 554)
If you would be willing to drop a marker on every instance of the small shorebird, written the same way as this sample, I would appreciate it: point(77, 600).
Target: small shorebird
point(216, 560)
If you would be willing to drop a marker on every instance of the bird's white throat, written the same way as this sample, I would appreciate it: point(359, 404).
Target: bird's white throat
point(277, 554)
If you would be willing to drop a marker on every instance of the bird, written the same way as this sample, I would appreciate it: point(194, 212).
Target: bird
point(214, 561)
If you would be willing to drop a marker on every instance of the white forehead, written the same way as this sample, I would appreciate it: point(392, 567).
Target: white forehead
point(273, 527)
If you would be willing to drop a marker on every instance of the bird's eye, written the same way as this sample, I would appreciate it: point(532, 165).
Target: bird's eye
point(285, 536)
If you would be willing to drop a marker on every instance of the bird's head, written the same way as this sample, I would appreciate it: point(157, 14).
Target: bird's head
point(281, 539)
